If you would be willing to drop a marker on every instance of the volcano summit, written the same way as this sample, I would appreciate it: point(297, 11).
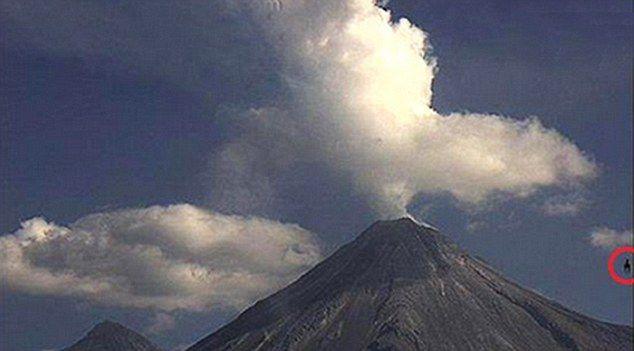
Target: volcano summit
point(401, 286)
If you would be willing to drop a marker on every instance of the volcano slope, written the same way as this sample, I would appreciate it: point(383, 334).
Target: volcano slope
point(402, 286)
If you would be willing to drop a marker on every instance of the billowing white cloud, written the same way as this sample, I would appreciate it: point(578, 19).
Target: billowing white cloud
point(166, 258)
point(607, 238)
point(359, 104)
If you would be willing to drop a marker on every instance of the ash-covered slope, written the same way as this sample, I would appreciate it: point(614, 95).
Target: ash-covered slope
point(111, 336)
point(400, 286)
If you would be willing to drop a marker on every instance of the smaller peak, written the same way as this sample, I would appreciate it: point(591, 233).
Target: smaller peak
point(107, 326)
point(107, 322)
point(109, 335)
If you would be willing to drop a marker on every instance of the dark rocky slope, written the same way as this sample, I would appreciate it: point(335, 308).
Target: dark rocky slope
point(401, 286)
point(111, 336)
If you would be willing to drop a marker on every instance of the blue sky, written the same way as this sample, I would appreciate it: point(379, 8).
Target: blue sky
point(110, 106)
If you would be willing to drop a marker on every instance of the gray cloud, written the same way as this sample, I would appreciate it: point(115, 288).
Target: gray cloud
point(166, 258)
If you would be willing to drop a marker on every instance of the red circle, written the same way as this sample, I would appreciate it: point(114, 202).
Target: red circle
point(615, 254)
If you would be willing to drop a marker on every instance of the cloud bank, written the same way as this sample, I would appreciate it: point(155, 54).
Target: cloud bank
point(608, 239)
point(358, 103)
point(165, 258)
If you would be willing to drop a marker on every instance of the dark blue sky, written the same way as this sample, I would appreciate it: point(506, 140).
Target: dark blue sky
point(124, 120)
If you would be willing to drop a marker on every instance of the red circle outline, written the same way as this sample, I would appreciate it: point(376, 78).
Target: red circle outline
point(613, 274)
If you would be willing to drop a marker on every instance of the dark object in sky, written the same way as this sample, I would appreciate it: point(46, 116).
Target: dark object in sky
point(627, 267)
point(400, 286)
point(111, 336)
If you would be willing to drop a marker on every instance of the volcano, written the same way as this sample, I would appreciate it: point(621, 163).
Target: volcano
point(112, 336)
point(403, 286)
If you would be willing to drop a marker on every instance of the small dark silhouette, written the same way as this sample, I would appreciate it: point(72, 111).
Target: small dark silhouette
point(627, 267)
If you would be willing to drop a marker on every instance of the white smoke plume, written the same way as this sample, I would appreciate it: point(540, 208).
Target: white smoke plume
point(338, 85)
point(165, 258)
point(359, 104)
